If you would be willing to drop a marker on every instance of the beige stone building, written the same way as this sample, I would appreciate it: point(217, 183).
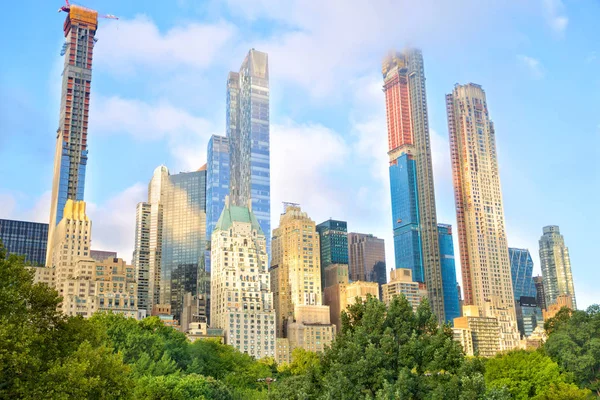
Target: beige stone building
point(485, 264)
point(562, 300)
point(336, 273)
point(296, 283)
point(401, 282)
point(283, 354)
point(339, 297)
point(484, 332)
point(241, 299)
point(43, 275)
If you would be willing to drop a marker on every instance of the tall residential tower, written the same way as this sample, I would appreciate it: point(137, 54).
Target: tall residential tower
point(411, 174)
point(556, 266)
point(247, 127)
point(70, 157)
point(479, 211)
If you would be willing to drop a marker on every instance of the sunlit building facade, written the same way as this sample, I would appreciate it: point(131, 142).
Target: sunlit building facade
point(402, 284)
point(411, 173)
point(485, 264)
point(241, 299)
point(556, 266)
point(183, 237)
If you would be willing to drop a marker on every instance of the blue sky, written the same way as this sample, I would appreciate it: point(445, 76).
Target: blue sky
point(159, 93)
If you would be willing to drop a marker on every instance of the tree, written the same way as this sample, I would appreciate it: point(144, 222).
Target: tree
point(574, 343)
point(181, 387)
point(528, 375)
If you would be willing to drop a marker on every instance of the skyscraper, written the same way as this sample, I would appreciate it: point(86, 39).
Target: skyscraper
point(296, 282)
point(241, 300)
point(70, 157)
point(183, 237)
point(141, 255)
point(217, 184)
point(411, 174)
point(479, 211)
point(247, 129)
point(450, 285)
point(556, 266)
point(521, 270)
point(333, 240)
point(367, 258)
point(170, 238)
point(25, 238)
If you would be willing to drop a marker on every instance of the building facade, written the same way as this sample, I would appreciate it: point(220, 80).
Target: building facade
point(183, 237)
point(521, 271)
point(141, 255)
point(28, 239)
point(241, 299)
point(217, 185)
point(484, 332)
point(70, 157)
point(449, 282)
point(333, 237)
point(247, 127)
point(411, 173)
point(529, 315)
point(485, 264)
point(402, 283)
point(101, 255)
point(540, 293)
point(338, 297)
point(366, 258)
point(556, 266)
point(296, 282)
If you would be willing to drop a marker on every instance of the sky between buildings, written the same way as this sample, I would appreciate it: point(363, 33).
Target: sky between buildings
point(158, 93)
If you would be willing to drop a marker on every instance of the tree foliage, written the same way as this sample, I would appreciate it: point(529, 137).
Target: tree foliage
point(574, 343)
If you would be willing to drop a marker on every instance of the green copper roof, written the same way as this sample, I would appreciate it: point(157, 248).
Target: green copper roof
point(239, 214)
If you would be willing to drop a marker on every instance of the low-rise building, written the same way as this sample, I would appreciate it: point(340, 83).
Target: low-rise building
point(339, 297)
point(201, 331)
point(401, 283)
point(485, 332)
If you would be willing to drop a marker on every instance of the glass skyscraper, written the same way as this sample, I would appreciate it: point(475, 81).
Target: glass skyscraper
point(333, 236)
point(449, 284)
point(521, 271)
point(217, 184)
point(405, 213)
point(247, 127)
point(556, 266)
point(366, 258)
point(183, 237)
point(25, 238)
point(411, 173)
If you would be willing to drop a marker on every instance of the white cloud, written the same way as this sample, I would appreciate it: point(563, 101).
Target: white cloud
point(15, 205)
point(533, 65)
point(125, 45)
point(185, 134)
point(113, 221)
point(303, 157)
point(554, 12)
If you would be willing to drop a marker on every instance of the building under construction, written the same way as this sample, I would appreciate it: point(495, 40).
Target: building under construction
point(70, 158)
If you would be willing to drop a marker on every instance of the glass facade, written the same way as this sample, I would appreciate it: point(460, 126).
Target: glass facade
point(247, 128)
point(521, 270)
point(25, 238)
point(333, 237)
point(449, 284)
point(556, 266)
point(217, 184)
point(405, 215)
point(529, 315)
point(183, 237)
point(366, 258)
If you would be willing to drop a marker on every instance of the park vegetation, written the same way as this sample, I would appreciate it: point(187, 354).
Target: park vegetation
point(381, 353)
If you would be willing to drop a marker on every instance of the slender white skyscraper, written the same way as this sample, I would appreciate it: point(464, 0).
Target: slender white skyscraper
point(483, 246)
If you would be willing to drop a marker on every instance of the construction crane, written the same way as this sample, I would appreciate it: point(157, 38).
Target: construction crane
point(66, 8)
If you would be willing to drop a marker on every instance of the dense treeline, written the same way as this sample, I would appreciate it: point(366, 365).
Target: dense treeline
point(381, 353)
